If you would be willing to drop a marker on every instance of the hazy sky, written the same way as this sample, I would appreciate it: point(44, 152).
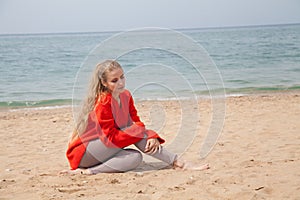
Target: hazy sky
point(48, 16)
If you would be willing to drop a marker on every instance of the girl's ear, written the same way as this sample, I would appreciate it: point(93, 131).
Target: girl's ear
point(103, 83)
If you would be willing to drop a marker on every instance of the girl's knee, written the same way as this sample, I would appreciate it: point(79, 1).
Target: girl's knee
point(137, 158)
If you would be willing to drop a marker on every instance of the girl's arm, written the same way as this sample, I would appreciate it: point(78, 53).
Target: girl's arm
point(136, 119)
point(110, 134)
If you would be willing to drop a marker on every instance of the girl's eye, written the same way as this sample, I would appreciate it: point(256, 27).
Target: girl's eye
point(114, 80)
point(122, 77)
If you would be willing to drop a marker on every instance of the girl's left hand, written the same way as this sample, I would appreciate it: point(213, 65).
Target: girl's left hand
point(152, 146)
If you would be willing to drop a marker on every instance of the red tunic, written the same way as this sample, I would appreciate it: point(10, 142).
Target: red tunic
point(115, 125)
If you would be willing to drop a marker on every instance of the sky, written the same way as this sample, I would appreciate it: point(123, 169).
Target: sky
point(60, 16)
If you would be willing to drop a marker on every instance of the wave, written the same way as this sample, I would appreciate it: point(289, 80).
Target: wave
point(34, 104)
point(216, 93)
point(262, 89)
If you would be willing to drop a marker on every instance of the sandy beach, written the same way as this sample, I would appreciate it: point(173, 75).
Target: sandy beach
point(257, 155)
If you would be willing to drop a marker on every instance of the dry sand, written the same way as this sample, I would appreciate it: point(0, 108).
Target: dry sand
point(256, 157)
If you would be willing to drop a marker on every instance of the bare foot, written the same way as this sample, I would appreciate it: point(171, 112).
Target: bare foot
point(183, 165)
point(76, 171)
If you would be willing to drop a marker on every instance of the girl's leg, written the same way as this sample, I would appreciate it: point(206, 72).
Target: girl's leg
point(100, 159)
point(164, 155)
point(171, 158)
point(125, 160)
point(96, 153)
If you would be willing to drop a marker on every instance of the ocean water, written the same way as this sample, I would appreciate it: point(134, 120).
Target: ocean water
point(52, 69)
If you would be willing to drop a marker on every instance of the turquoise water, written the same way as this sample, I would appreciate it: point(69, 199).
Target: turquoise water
point(41, 69)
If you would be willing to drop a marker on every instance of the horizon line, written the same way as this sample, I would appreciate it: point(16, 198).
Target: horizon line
point(177, 29)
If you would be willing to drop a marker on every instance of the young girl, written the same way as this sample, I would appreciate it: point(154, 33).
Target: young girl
point(108, 123)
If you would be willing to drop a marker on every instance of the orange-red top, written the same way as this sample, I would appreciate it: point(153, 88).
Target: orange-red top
point(116, 125)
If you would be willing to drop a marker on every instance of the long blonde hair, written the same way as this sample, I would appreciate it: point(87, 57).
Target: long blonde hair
point(95, 89)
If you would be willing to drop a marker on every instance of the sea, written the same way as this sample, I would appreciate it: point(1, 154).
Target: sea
point(53, 69)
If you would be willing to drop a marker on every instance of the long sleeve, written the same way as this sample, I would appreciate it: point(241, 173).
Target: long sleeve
point(111, 135)
point(133, 112)
point(135, 118)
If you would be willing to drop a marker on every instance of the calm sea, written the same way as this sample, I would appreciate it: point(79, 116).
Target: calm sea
point(43, 69)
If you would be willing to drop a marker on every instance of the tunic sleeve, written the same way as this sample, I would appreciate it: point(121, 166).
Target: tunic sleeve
point(111, 135)
point(133, 112)
point(135, 118)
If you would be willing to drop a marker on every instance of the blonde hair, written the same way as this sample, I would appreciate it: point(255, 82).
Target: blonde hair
point(95, 89)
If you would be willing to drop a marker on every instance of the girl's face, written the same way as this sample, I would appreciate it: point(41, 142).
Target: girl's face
point(115, 81)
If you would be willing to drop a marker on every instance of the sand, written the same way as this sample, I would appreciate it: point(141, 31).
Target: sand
point(257, 155)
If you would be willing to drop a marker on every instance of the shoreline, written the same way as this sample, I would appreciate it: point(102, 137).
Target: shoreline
point(198, 98)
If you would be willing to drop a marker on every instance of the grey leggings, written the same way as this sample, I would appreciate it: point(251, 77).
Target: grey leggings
point(100, 159)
